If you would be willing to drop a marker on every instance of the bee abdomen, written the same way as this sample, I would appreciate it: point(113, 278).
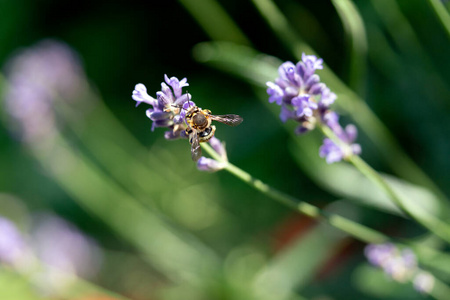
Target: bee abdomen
point(207, 134)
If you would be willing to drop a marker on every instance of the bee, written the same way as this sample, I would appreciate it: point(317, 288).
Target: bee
point(200, 129)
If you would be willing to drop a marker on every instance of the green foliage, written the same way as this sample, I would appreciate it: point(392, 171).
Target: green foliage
point(169, 231)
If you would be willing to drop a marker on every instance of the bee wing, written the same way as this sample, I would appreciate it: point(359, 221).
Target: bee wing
point(196, 150)
point(231, 120)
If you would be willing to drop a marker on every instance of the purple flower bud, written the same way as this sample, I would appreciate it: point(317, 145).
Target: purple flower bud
point(327, 98)
point(175, 134)
point(312, 62)
point(219, 147)
point(185, 107)
point(304, 105)
point(275, 92)
point(330, 151)
point(176, 84)
point(140, 95)
point(158, 115)
point(334, 153)
point(211, 165)
point(286, 114)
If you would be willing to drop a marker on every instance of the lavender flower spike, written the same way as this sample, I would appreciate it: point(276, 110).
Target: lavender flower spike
point(306, 100)
point(165, 109)
point(300, 93)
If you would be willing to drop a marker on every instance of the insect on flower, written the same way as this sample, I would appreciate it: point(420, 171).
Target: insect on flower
point(199, 128)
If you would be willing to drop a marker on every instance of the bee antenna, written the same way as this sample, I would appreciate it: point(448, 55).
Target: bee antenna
point(189, 100)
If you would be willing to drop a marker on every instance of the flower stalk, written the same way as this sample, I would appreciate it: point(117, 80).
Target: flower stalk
point(430, 222)
point(358, 231)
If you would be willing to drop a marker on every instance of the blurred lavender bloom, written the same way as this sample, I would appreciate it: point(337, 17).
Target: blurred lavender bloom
point(332, 152)
point(377, 254)
point(62, 247)
point(166, 108)
point(299, 90)
point(36, 77)
point(423, 282)
point(212, 165)
point(400, 268)
point(13, 247)
point(306, 100)
point(399, 265)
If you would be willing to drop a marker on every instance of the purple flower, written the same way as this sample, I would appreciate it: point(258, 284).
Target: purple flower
point(329, 149)
point(327, 98)
point(304, 105)
point(61, 245)
point(166, 108)
point(38, 77)
point(306, 100)
point(275, 92)
point(378, 254)
point(298, 89)
point(13, 247)
point(334, 153)
point(140, 95)
point(399, 265)
point(312, 62)
point(212, 165)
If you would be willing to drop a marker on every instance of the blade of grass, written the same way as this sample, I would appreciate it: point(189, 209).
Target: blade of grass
point(215, 21)
point(357, 42)
point(413, 54)
point(441, 13)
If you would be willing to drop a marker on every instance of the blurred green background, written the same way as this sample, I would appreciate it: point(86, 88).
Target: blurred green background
point(169, 231)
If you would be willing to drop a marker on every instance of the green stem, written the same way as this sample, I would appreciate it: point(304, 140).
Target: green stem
point(429, 221)
point(356, 230)
point(440, 290)
point(442, 14)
